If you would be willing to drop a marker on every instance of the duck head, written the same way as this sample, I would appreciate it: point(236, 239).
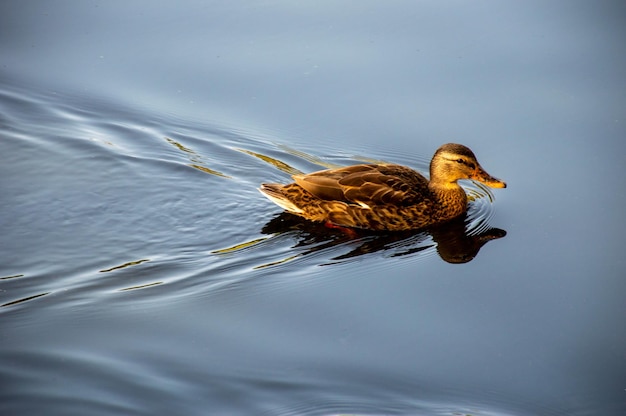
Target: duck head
point(452, 162)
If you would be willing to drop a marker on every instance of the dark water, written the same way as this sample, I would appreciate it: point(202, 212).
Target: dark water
point(141, 272)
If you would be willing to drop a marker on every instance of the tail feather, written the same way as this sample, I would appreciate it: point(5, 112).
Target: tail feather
point(273, 192)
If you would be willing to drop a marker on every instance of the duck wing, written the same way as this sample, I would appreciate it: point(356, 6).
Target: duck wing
point(366, 185)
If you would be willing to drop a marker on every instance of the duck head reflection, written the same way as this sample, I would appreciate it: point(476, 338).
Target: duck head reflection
point(453, 241)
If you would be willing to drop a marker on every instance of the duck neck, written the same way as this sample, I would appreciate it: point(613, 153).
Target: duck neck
point(450, 196)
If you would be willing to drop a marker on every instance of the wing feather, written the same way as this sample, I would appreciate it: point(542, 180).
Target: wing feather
point(366, 185)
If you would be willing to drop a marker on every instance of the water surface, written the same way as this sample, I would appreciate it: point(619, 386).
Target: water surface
point(142, 272)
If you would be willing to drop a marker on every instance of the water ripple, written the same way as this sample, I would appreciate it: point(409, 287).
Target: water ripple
point(218, 223)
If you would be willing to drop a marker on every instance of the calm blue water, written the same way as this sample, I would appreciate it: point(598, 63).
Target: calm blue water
point(141, 272)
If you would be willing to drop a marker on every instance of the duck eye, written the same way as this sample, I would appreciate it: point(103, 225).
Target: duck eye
point(461, 161)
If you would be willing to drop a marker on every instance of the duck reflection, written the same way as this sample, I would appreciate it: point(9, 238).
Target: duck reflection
point(454, 241)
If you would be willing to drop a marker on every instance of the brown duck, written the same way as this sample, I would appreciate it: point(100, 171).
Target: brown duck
point(384, 196)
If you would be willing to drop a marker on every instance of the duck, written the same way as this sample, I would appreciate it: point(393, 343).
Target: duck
point(384, 196)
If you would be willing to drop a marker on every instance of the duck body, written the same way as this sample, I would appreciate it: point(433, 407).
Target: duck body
point(384, 197)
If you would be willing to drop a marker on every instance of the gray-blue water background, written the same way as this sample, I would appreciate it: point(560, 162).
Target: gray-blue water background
point(142, 273)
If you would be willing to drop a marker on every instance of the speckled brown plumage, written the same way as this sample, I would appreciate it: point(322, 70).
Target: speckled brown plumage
point(384, 196)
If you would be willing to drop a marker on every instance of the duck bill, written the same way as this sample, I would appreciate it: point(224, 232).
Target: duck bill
point(481, 176)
